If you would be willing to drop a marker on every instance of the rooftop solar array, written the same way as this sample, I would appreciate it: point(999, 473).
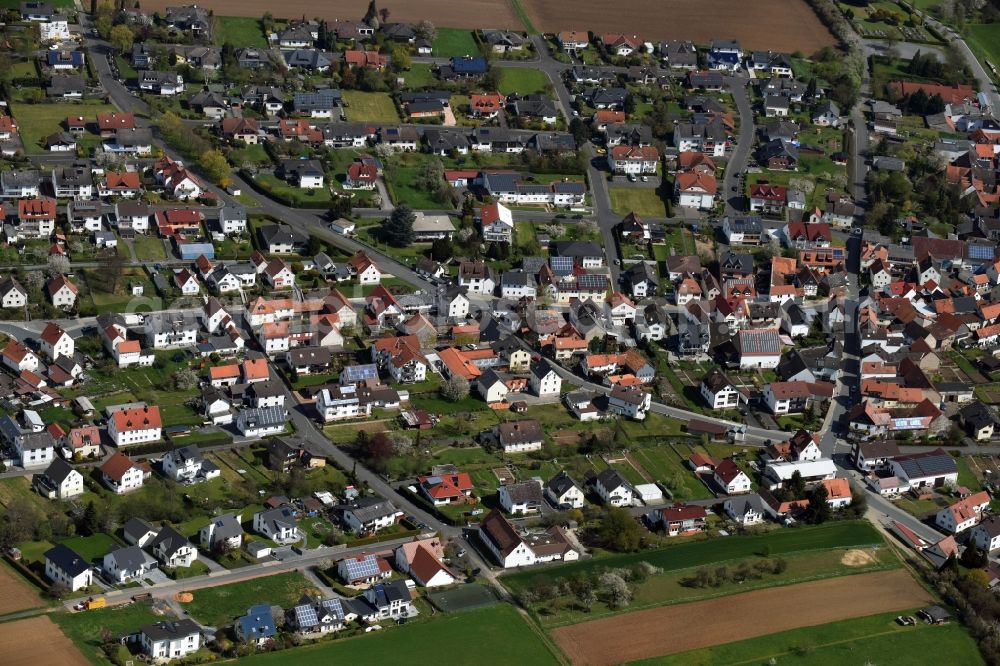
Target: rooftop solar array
point(760, 342)
point(592, 282)
point(305, 616)
point(364, 568)
point(561, 265)
point(980, 252)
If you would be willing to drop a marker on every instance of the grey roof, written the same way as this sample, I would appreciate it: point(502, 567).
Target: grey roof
point(58, 471)
point(130, 558)
point(281, 234)
point(525, 491)
point(168, 631)
point(611, 479)
point(169, 540)
point(320, 100)
point(136, 528)
point(931, 463)
point(561, 483)
point(371, 508)
point(741, 505)
point(226, 527)
point(67, 560)
point(260, 417)
point(308, 58)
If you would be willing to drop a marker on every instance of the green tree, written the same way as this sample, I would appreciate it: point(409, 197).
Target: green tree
point(441, 249)
point(974, 557)
point(618, 531)
point(397, 229)
point(372, 12)
point(121, 38)
point(216, 167)
point(401, 61)
point(579, 131)
point(819, 510)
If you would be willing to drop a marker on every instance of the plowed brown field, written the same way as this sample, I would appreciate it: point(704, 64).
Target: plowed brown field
point(15, 594)
point(670, 629)
point(38, 641)
point(444, 13)
point(776, 25)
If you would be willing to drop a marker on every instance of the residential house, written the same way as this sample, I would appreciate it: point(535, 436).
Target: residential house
point(63, 566)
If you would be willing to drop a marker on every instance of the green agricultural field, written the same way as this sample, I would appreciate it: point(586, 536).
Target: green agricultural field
point(498, 631)
point(217, 606)
point(240, 31)
point(643, 201)
point(858, 641)
point(37, 121)
point(85, 629)
point(846, 534)
point(522, 81)
point(984, 39)
point(371, 107)
point(453, 42)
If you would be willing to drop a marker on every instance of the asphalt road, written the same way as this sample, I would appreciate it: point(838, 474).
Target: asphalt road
point(737, 162)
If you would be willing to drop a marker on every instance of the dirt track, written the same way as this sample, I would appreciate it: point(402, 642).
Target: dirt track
point(15, 594)
point(38, 642)
point(668, 630)
point(778, 25)
point(444, 13)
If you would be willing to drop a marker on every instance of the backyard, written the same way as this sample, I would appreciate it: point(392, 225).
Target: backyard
point(218, 606)
point(372, 107)
point(240, 31)
point(37, 121)
point(643, 201)
point(454, 42)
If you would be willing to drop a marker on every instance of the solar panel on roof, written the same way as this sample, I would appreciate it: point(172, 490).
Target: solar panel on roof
point(592, 282)
point(305, 616)
point(357, 373)
point(561, 265)
point(334, 607)
point(980, 251)
point(365, 568)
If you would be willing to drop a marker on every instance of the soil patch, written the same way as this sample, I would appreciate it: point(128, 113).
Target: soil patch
point(779, 25)
point(666, 630)
point(858, 558)
point(16, 594)
point(38, 641)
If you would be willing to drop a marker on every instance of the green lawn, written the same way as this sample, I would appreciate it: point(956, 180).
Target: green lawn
point(452, 42)
point(295, 196)
point(644, 201)
point(845, 534)
point(402, 182)
point(149, 247)
point(984, 39)
point(240, 31)
point(218, 606)
point(91, 547)
point(522, 81)
point(863, 640)
point(373, 107)
point(106, 301)
point(85, 629)
point(498, 631)
point(419, 76)
point(666, 466)
point(37, 121)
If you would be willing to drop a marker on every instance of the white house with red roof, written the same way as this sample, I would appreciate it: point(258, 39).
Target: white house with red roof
point(731, 478)
point(423, 559)
point(186, 281)
point(56, 342)
point(19, 358)
point(633, 159)
point(361, 176)
point(963, 514)
point(497, 223)
point(62, 293)
point(121, 474)
point(695, 190)
point(279, 275)
point(364, 268)
point(135, 425)
point(445, 488)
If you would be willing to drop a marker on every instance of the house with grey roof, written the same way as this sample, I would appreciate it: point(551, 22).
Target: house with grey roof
point(127, 563)
point(368, 515)
point(222, 532)
point(521, 498)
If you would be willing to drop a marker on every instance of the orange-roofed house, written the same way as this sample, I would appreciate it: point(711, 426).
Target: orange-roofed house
point(838, 493)
point(401, 357)
point(62, 293)
point(178, 221)
point(963, 514)
point(126, 184)
point(135, 425)
point(364, 268)
point(446, 488)
point(424, 560)
point(696, 162)
point(619, 44)
point(486, 105)
point(85, 441)
point(56, 342)
point(694, 189)
point(121, 474)
point(574, 40)
point(456, 364)
point(633, 160)
point(361, 176)
point(603, 117)
point(255, 370)
point(224, 375)
point(110, 123)
point(36, 217)
point(366, 59)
